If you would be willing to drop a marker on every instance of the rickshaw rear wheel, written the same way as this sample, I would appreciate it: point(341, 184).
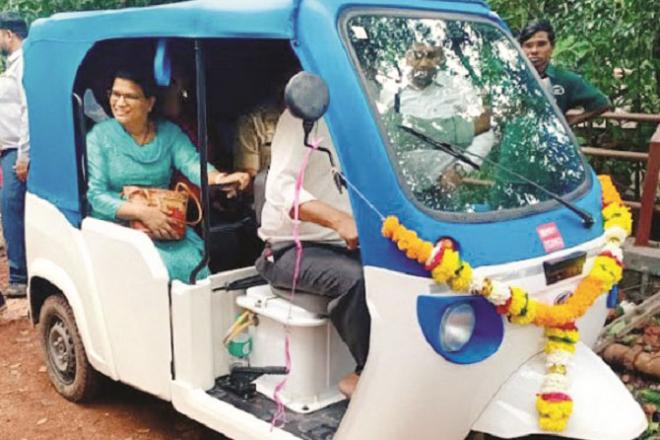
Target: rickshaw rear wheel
point(66, 360)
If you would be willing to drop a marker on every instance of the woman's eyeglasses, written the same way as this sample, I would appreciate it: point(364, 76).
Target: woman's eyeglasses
point(128, 97)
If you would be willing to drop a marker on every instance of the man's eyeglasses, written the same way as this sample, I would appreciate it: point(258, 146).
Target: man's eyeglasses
point(114, 95)
point(429, 54)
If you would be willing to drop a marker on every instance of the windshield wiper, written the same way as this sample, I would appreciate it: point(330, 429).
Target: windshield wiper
point(460, 153)
point(442, 146)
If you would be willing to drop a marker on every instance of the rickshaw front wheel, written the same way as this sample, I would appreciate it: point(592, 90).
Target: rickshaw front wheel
point(66, 360)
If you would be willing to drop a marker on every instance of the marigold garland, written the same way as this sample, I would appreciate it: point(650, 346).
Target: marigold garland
point(443, 260)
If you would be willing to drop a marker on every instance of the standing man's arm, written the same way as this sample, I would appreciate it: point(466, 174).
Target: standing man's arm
point(23, 156)
point(585, 116)
point(584, 94)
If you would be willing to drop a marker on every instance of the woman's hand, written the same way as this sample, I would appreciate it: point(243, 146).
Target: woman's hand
point(232, 183)
point(160, 224)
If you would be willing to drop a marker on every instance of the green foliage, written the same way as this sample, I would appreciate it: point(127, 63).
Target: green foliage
point(32, 9)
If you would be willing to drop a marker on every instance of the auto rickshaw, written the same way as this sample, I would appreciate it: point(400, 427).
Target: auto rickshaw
point(525, 209)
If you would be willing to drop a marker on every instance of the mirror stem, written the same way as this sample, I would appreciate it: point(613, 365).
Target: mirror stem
point(339, 181)
point(307, 127)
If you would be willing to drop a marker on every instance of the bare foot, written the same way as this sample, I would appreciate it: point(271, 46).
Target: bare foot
point(348, 384)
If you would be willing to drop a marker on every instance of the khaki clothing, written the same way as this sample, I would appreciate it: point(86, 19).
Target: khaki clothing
point(254, 136)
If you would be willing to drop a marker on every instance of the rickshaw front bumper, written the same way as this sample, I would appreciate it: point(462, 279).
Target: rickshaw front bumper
point(603, 407)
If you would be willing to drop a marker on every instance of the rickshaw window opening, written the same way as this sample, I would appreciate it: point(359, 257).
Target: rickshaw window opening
point(240, 76)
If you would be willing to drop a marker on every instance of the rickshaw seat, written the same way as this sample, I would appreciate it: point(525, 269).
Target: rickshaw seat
point(313, 303)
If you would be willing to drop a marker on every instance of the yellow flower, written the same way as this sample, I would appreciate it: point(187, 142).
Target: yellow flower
point(487, 288)
point(461, 281)
point(412, 250)
point(553, 415)
point(552, 425)
point(554, 410)
point(609, 191)
point(424, 252)
point(572, 335)
point(576, 306)
point(390, 224)
point(406, 239)
point(616, 214)
point(398, 233)
point(557, 369)
point(529, 315)
point(446, 269)
point(607, 271)
point(551, 346)
point(519, 301)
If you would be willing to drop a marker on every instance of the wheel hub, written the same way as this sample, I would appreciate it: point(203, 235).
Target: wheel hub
point(61, 351)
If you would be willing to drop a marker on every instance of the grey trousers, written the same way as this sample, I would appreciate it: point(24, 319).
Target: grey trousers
point(331, 271)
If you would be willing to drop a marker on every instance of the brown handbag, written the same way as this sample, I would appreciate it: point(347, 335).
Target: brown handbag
point(172, 201)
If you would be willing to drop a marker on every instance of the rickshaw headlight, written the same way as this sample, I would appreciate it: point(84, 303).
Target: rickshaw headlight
point(462, 329)
point(456, 326)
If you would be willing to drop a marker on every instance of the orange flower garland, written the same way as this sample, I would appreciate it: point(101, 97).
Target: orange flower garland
point(553, 403)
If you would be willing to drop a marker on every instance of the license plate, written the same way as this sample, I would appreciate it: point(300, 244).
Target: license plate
point(565, 267)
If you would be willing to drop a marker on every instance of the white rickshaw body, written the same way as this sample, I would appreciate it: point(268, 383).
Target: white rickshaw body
point(165, 337)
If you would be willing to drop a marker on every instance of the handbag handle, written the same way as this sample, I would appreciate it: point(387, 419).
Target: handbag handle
point(182, 187)
point(130, 190)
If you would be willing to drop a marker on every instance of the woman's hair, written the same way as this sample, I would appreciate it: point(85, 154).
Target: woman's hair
point(142, 79)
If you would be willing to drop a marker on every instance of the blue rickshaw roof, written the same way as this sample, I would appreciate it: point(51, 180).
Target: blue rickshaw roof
point(204, 18)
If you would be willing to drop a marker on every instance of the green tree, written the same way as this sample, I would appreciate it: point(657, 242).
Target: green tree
point(33, 9)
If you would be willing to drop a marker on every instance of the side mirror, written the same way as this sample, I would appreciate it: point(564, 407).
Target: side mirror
point(307, 98)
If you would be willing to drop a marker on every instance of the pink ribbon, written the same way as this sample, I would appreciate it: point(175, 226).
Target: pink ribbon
point(279, 418)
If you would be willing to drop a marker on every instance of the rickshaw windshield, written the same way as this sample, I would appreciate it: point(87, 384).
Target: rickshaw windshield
point(468, 124)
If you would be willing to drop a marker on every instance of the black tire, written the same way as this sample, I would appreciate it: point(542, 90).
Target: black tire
point(66, 360)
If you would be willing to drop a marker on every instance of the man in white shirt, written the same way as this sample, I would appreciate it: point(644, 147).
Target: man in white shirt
point(330, 265)
point(14, 148)
point(445, 107)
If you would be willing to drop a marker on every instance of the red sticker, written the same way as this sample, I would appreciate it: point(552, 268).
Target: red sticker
point(550, 237)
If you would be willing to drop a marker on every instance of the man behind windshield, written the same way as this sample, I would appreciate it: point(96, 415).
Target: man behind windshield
point(444, 107)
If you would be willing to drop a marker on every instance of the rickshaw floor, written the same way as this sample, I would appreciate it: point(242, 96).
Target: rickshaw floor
point(317, 425)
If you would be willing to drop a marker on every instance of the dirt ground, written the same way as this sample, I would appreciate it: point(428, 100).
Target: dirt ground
point(30, 409)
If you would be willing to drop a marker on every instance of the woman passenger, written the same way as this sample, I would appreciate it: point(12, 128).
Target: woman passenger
point(135, 148)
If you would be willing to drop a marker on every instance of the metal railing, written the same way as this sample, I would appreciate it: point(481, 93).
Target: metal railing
point(647, 205)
